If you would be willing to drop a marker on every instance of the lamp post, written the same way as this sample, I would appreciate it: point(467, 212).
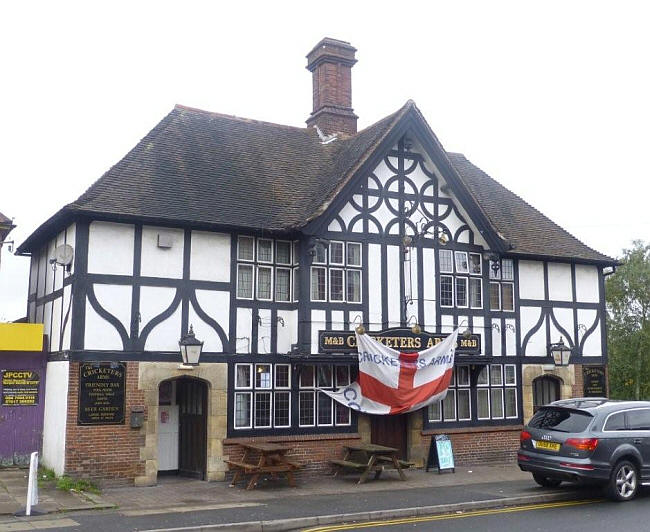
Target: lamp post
point(190, 349)
point(561, 353)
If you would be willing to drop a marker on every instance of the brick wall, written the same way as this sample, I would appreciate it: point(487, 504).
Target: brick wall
point(106, 453)
point(480, 445)
point(313, 451)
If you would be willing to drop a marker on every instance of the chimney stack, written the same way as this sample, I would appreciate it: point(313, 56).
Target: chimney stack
point(330, 63)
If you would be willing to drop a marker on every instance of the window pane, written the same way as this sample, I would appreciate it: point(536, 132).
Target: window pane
point(296, 284)
point(476, 293)
point(434, 411)
point(507, 270)
point(638, 419)
point(282, 284)
point(244, 281)
point(482, 376)
point(324, 409)
point(495, 297)
point(262, 375)
point(463, 375)
point(318, 284)
point(282, 376)
point(296, 250)
point(320, 254)
point(245, 248)
point(242, 410)
point(508, 300)
point(336, 285)
point(449, 406)
point(615, 422)
point(497, 403)
point(483, 403)
point(342, 414)
point(496, 377)
point(342, 376)
point(324, 376)
point(264, 282)
point(461, 262)
point(463, 405)
point(336, 252)
point(281, 409)
point(243, 376)
point(511, 402)
point(475, 263)
point(264, 250)
point(306, 408)
point(354, 254)
point(307, 377)
point(262, 409)
point(461, 291)
point(446, 260)
point(283, 252)
point(495, 269)
point(354, 286)
point(446, 291)
point(511, 375)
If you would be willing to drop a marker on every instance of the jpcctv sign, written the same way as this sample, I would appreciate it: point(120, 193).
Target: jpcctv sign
point(401, 339)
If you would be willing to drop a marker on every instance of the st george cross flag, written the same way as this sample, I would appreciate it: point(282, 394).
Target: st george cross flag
point(391, 382)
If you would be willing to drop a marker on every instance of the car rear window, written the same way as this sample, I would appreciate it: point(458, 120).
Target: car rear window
point(638, 419)
point(560, 419)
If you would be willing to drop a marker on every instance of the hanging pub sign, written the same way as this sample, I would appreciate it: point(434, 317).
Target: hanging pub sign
point(101, 393)
point(594, 383)
point(402, 339)
point(20, 387)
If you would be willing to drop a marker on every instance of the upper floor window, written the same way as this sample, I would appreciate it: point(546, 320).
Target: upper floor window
point(336, 272)
point(502, 286)
point(465, 288)
point(265, 269)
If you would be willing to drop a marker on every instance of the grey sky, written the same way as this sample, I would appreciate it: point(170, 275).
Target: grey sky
point(549, 98)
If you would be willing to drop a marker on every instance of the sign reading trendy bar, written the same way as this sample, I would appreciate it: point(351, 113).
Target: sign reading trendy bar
point(401, 339)
point(101, 393)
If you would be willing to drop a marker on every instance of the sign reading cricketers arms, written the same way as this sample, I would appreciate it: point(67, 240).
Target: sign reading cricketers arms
point(101, 393)
point(399, 339)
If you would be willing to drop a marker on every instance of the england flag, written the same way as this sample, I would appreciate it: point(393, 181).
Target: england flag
point(393, 382)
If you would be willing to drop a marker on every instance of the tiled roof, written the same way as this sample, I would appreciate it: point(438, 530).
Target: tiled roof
point(4, 220)
point(206, 168)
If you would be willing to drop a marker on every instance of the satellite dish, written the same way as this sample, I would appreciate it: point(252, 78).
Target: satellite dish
point(64, 255)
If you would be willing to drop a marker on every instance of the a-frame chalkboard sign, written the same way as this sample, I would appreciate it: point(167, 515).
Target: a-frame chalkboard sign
point(441, 455)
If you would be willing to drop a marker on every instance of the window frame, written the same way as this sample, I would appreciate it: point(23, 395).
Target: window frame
point(358, 273)
point(458, 278)
point(453, 287)
point(259, 267)
point(311, 284)
point(329, 253)
point(460, 254)
point(343, 284)
point(347, 254)
point(290, 263)
point(440, 254)
point(239, 239)
point(259, 241)
point(275, 284)
point(253, 279)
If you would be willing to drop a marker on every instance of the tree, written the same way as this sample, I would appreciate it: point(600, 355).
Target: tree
point(628, 303)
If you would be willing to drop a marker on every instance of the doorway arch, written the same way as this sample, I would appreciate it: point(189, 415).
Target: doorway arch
point(546, 389)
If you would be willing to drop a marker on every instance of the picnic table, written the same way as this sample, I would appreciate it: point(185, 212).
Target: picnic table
point(369, 457)
point(272, 460)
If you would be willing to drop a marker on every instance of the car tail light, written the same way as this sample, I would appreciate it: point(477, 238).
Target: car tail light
point(582, 444)
point(524, 436)
point(586, 467)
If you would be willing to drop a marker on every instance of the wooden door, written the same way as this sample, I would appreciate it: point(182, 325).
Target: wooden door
point(192, 399)
point(390, 431)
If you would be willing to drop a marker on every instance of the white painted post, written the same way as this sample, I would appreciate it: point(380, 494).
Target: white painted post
point(32, 484)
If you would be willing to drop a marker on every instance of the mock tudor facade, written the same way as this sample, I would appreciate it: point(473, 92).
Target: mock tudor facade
point(263, 236)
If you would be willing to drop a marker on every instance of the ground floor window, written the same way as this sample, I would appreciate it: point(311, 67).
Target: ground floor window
point(316, 408)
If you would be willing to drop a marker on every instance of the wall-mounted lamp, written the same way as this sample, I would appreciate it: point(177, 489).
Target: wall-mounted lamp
point(190, 349)
point(415, 329)
point(359, 329)
point(560, 352)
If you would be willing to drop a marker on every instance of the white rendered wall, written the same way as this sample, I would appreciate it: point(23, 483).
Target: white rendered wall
point(318, 323)
point(531, 279)
point(587, 286)
point(288, 334)
point(560, 285)
point(55, 416)
point(162, 262)
point(210, 257)
point(110, 248)
point(374, 280)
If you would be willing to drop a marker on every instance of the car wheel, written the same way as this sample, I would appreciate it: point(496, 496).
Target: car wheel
point(623, 483)
point(546, 482)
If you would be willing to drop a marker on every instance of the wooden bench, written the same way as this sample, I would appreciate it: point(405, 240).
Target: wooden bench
point(348, 464)
point(403, 463)
point(272, 461)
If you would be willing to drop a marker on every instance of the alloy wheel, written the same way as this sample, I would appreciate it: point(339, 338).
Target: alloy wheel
point(626, 481)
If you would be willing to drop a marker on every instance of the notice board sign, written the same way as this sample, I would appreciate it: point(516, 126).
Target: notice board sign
point(441, 454)
point(102, 393)
point(20, 387)
point(594, 383)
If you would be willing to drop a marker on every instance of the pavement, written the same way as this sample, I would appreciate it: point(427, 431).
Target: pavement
point(187, 504)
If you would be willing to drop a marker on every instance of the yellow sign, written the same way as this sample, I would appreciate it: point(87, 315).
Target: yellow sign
point(21, 337)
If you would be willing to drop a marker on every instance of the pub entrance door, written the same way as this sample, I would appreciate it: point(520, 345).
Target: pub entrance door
point(192, 400)
point(390, 431)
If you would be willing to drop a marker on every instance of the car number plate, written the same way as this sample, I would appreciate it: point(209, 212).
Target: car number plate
point(548, 445)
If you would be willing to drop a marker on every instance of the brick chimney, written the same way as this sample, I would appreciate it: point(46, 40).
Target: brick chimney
point(330, 63)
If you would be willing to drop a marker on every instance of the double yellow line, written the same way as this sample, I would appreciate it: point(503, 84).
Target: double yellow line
point(463, 515)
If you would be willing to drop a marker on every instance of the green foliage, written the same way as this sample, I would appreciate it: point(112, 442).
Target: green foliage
point(628, 302)
point(71, 484)
point(45, 476)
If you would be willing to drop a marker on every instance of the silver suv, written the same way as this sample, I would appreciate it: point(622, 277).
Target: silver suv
point(590, 440)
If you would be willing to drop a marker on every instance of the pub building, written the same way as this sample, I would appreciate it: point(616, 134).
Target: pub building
point(261, 248)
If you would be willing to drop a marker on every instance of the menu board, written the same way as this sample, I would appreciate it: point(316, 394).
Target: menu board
point(20, 387)
point(594, 383)
point(441, 454)
point(101, 393)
